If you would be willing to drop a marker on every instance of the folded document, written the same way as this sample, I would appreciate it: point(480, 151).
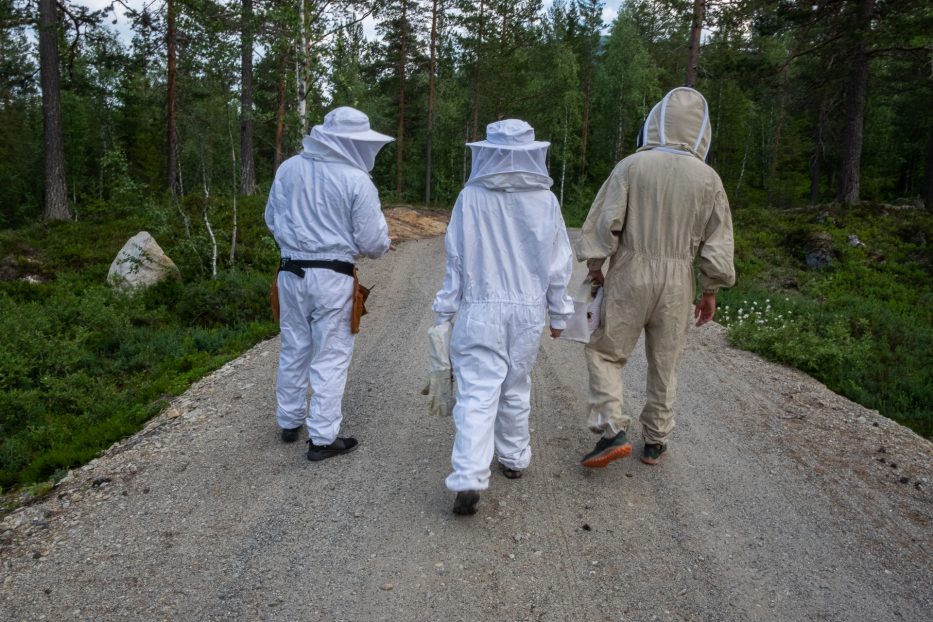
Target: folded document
point(586, 313)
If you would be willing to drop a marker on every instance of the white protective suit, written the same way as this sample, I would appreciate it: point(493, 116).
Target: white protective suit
point(323, 206)
point(508, 264)
point(660, 207)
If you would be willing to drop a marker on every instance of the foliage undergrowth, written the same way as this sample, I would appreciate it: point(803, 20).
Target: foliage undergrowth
point(82, 366)
point(863, 325)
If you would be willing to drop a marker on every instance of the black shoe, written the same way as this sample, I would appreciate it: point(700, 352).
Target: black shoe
point(653, 453)
point(607, 450)
point(510, 472)
point(465, 503)
point(342, 445)
point(290, 435)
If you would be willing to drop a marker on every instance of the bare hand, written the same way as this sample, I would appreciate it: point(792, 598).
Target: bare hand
point(555, 332)
point(392, 246)
point(597, 276)
point(705, 309)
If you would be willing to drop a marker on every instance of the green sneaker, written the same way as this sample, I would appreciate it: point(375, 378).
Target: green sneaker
point(653, 452)
point(607, 450)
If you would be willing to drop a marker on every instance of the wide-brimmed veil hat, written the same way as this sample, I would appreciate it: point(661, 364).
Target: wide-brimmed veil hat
point(346, 130)
point(510, 134)
point(350, 123)
point(510, 147)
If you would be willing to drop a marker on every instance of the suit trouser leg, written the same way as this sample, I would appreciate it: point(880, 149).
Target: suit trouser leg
point(606, 354)
point(479, 367)
point(665, 338)
point(512, 436)
point(291, 381)
point(331, 351)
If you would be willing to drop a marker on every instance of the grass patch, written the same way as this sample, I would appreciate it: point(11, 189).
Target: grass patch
point(82, 366)
point(863, 325)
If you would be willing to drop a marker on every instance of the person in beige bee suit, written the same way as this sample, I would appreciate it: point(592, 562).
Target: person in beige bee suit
point(660, 207)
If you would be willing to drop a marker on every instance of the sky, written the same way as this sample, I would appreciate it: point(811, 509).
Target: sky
point(610, 10)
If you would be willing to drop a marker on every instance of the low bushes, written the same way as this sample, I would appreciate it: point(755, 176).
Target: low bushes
point(82, 366)
point(864, 324)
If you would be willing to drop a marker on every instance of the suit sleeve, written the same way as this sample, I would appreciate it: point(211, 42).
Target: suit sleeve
point(716, 255)
point(447, 300)
point(276, 200)
point(599, 238)
point(370, 232)
point(559, 303)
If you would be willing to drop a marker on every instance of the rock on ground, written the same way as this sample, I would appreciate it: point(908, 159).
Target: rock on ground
point(140, 263)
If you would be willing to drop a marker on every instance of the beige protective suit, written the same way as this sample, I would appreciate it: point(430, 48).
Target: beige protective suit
point(658, 209)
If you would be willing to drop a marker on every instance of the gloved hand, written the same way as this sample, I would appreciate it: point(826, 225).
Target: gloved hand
point(440, 378)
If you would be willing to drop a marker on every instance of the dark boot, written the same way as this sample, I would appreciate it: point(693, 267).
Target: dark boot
point(465, 503)
point(290, 435)
point(340, 445)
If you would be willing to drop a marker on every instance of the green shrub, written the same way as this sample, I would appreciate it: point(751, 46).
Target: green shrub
point(864, 327)
point(82, 366)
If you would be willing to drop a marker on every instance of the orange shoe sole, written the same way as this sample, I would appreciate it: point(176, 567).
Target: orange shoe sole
point(653, 461)
point(601, 461)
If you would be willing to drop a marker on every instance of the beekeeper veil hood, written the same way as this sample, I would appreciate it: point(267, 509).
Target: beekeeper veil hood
point(679, 122)
point(510, 156)
point(346, 134)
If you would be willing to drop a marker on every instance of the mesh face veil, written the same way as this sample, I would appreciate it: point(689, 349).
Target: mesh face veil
point(492, 161)
point(510, 147)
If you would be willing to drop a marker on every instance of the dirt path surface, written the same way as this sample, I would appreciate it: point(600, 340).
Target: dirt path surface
point(779, 501)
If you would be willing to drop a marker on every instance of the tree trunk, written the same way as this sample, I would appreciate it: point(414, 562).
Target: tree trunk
point(816, 160)
point(301, 63)
point(563, 155)
point(432, 70)
point(928, 175)
point(587, 93)
point(170, 99)
point(400, 130)
point(474, 103)
point(856, 90)
point(280, 114)
point(233, 231)
point(618, 147)
point(56, 192)
point(778, 129)
point(247, 167)
point(696, 29)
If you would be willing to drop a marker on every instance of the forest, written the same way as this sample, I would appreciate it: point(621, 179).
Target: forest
point(810, 101)
point(822, 129)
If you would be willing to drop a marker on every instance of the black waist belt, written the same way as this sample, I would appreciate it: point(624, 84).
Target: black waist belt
point(297, 266)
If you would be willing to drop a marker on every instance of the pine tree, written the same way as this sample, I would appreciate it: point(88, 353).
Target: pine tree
point(402, 27)
point(56, 193)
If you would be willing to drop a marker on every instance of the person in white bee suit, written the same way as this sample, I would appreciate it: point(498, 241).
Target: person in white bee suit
point(659, 209)
point(508, 264)
point(323, 211)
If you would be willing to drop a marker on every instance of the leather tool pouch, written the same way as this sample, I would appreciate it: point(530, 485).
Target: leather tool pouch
point(360, 294)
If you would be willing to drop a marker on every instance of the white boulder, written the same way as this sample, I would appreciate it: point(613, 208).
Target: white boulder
point(139, 264)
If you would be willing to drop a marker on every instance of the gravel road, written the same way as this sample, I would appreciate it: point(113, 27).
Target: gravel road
point(779, 501)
